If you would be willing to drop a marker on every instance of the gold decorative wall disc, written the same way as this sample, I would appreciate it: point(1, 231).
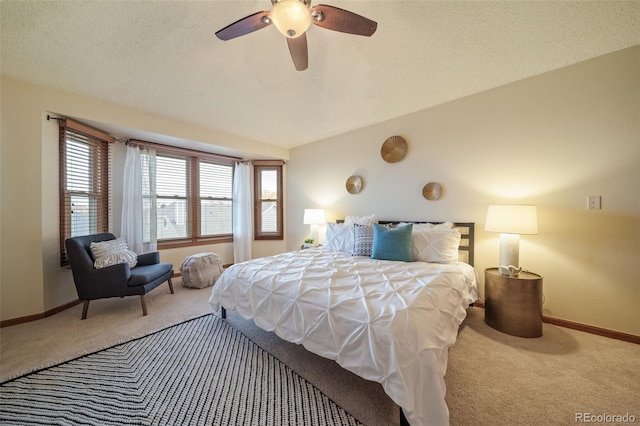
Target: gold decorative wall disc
point(354, 184)
point(432, 191)
point(393, 149)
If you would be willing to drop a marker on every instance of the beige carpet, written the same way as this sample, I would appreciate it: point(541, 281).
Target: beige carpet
point(493, 378)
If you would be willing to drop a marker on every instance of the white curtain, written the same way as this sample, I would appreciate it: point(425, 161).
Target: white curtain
point(242, 212)
point(139, 216)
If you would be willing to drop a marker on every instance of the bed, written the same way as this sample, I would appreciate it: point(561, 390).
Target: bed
point(387, 320)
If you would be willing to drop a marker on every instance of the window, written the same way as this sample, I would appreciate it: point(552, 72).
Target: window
point(84, 182)
point(268, 204)
point(216, 188)
point(172, 197)
point(193, 196)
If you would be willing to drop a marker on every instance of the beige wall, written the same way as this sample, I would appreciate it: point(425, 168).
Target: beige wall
point(31, 282)
point(550, 140)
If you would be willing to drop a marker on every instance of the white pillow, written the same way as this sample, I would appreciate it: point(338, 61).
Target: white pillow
point(101, 248)
point(107, 253)
point(361, 220)
point(436, 245)
point(339, 237)
point(431, 226)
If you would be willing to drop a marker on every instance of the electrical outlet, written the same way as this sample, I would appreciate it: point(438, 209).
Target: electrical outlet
point(593, 202)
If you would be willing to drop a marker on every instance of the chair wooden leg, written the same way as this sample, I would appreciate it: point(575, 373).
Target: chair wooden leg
point(170, 286)
point(144, 305)
point(85, 309)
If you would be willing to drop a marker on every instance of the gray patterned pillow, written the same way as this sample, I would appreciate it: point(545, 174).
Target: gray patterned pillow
point(363, 240)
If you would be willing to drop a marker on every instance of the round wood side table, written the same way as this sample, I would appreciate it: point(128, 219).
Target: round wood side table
point(513, 305)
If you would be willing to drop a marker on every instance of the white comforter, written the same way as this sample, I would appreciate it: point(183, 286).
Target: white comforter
point(391, 322)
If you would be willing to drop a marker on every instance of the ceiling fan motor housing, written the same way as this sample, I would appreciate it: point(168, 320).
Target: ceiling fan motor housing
point(291, 17)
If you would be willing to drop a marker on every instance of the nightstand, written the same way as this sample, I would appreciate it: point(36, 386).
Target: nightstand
point(513, 305)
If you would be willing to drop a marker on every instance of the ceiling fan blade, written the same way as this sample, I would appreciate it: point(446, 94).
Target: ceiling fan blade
point(336, 19)
point(244, 26)
point(299, 53)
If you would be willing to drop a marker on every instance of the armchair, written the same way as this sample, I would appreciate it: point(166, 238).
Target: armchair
point(117, 280)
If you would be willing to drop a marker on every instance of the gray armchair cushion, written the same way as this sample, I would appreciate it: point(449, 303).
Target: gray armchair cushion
point(141, 275)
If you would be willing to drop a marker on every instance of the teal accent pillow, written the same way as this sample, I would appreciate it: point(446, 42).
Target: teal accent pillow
point(392, 243)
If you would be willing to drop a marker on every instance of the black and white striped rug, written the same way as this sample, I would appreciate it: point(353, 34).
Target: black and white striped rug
point(200, 372)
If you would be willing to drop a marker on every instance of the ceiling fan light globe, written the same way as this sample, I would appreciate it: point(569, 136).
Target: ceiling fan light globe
point(291, 17)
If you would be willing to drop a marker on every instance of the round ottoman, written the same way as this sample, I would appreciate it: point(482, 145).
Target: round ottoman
point(201, 270)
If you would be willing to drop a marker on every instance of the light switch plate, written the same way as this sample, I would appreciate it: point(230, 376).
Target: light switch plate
point(594, 202)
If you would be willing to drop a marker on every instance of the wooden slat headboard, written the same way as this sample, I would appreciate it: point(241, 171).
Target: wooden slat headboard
point(467, 229)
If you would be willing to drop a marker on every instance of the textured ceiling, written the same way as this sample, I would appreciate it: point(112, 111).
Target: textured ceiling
point(162, 57)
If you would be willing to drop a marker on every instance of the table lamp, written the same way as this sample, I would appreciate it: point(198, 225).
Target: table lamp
point(511, 221)
point(314, 217)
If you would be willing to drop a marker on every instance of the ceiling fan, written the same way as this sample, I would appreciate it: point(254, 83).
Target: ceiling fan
point(292, 18)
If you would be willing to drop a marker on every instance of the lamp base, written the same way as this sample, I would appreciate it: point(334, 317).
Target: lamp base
point(510, 251)
point(509, 271)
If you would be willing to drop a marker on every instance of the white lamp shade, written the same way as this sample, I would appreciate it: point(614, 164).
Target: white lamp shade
point(291, 17)
point(512, 219)
point(313, 216)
